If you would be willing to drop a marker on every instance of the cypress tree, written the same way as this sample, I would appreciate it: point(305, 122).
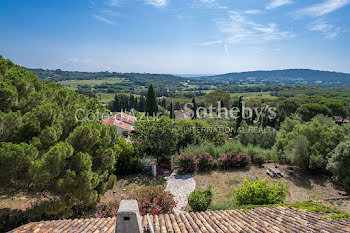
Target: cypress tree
point(151, 102)
point(172, 115)
point(116, 104)
point(163, 103)
point(239, 119)
point(194, 108)
point(131, 101)
point(142, 104)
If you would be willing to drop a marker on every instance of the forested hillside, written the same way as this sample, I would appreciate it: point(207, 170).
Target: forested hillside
point(291, 76)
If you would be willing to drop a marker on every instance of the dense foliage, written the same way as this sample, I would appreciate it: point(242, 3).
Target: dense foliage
point(258, 192)
point(200, 200)
point(163, 137)
point(339, 164)
point(123, 102)
point(156, 137)
point(307, 144)
point(45, 147)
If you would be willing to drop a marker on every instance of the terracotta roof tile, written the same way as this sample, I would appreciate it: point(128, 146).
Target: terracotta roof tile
point(125, 117)
point(113, 121)
point(267, 220)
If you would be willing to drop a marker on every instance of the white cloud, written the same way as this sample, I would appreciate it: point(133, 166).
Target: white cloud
point(278, 3)
point(242, 30)
point(157, 3)
point(103, 19)
point(324, 7)
point(252, 12)
point(329, 31)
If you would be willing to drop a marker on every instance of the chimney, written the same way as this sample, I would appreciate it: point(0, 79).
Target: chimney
point(128, 217)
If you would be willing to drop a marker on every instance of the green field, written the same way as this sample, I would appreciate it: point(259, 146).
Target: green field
point(73, 84)
point(248, 95)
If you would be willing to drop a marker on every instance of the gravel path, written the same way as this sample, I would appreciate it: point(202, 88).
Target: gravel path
point(181, 187)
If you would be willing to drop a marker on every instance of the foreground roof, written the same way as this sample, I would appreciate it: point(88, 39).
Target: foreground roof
point(268, 220)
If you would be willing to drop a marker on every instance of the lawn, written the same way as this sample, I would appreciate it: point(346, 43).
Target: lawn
point(105, 97)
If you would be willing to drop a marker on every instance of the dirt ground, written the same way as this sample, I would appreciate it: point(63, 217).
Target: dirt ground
point(303, 186)
point(125, 186)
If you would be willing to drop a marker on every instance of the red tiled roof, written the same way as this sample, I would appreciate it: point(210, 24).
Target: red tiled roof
point(113, 121)
point(267, 220)
point(126, 117)
point(339, 119)
point(187, 114)
point(123, 125)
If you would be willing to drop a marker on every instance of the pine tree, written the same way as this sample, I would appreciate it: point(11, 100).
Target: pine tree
point(151, 102)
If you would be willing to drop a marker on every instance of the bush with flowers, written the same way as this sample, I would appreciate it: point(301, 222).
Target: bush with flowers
point(188, 162)
point(206, 162)
point(154, 200)
point(106, 210)
point(232, 159)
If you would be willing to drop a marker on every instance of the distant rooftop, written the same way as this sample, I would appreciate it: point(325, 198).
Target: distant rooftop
point(120, 120)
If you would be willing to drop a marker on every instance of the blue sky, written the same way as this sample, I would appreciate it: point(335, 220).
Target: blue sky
point(176, 36)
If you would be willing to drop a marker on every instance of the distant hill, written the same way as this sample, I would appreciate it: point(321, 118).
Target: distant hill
point(176, 82)
point(290, 76)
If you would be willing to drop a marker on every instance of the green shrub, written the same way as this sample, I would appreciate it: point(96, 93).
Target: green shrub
point(259, 193)
point(339, 163)
point(233, 159)
point(308, 144)
point(205, 162)
point(205, 147)
point(215, 151)
point(259, 159)
point(128, 160)
point(187, 162)
point(225, 205)
point(200, 200)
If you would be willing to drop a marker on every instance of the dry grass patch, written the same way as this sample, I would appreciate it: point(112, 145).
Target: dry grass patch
point(303, 186)
point(125, 186)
